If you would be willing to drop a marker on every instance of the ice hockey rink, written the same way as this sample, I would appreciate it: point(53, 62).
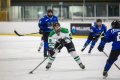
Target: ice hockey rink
point(19, 55)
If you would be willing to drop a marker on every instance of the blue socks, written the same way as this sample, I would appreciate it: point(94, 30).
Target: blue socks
point(86, 43)
point(109, 63)
point(46, 47)
point(92, 45)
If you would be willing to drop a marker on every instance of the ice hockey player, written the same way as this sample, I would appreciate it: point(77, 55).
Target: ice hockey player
point(45, 25)
point(41, 44)
point(62, 36)
point(112, 35)
point(95, 32)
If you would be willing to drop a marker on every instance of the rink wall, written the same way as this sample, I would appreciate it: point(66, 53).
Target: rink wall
point(7, 28)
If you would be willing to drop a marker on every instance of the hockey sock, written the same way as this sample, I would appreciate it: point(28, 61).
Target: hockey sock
point(92, 45)
point(46, 47)
point(52, 58)
point(109, 64)
point(75, 56)
point(41, 44)
point(86, 43)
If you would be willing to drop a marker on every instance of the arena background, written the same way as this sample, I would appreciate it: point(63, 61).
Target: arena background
point(23, 15)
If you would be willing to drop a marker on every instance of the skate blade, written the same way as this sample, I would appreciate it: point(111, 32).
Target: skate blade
point(81, 51)
point(39, 49)
point(47, 69)
point(83, 68)
point(104, 77)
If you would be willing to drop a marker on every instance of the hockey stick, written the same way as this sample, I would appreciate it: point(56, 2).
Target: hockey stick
point(114, 63)
point(31, 72)
point(23, 34)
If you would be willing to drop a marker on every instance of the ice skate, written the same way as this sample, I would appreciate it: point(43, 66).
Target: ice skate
point(105, 74)
point(48, 66)
point(45, 55)
point(82, 49)
point(81, 66)
point(89, 51)
point(39, 49)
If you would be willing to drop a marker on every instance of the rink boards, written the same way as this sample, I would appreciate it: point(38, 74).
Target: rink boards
point(7, 28)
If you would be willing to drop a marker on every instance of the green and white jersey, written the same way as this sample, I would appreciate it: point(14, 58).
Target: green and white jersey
point(64, 33)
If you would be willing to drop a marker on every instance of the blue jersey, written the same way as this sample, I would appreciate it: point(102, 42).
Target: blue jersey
point(46, 23)
point(96, 31)
point(112, 35)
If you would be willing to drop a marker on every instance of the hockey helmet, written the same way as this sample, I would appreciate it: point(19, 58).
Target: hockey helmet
point(115, 24)
point(49, 10)
point(56, 24)
point(98, 20)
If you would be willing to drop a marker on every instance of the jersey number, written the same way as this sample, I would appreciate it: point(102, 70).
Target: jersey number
point(118, 37)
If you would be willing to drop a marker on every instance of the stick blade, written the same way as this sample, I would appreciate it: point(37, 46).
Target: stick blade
point(17, 33)
point(30, 72)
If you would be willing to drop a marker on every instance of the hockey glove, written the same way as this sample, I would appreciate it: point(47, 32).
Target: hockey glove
point(95, 39)
point(52, 52)
point(103, 34)
point(41, 31)
point(100, 48)
point(62, 42)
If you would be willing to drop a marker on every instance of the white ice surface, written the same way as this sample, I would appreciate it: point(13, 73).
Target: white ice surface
point(18, 56)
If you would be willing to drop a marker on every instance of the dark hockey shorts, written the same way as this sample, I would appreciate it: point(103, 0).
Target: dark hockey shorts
point(70, 46)
point(91, 38)
point(114, 54)
point(45, 36)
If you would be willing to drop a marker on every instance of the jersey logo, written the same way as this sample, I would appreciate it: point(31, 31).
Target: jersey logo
point(73, 29)
point(47, 19)
point(40, 22)
point(112, 31)
point(50, 40)
point(118, 37)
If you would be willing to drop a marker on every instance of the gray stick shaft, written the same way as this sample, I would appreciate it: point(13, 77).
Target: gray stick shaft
point(44, 60)
point(40, 64)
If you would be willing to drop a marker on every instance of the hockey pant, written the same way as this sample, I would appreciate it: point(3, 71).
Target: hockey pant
point(71, 50)
point(112, 58)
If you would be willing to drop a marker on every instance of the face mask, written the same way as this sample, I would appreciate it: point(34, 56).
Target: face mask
point(50, 16)
point(57, 31)
point(99, 25)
